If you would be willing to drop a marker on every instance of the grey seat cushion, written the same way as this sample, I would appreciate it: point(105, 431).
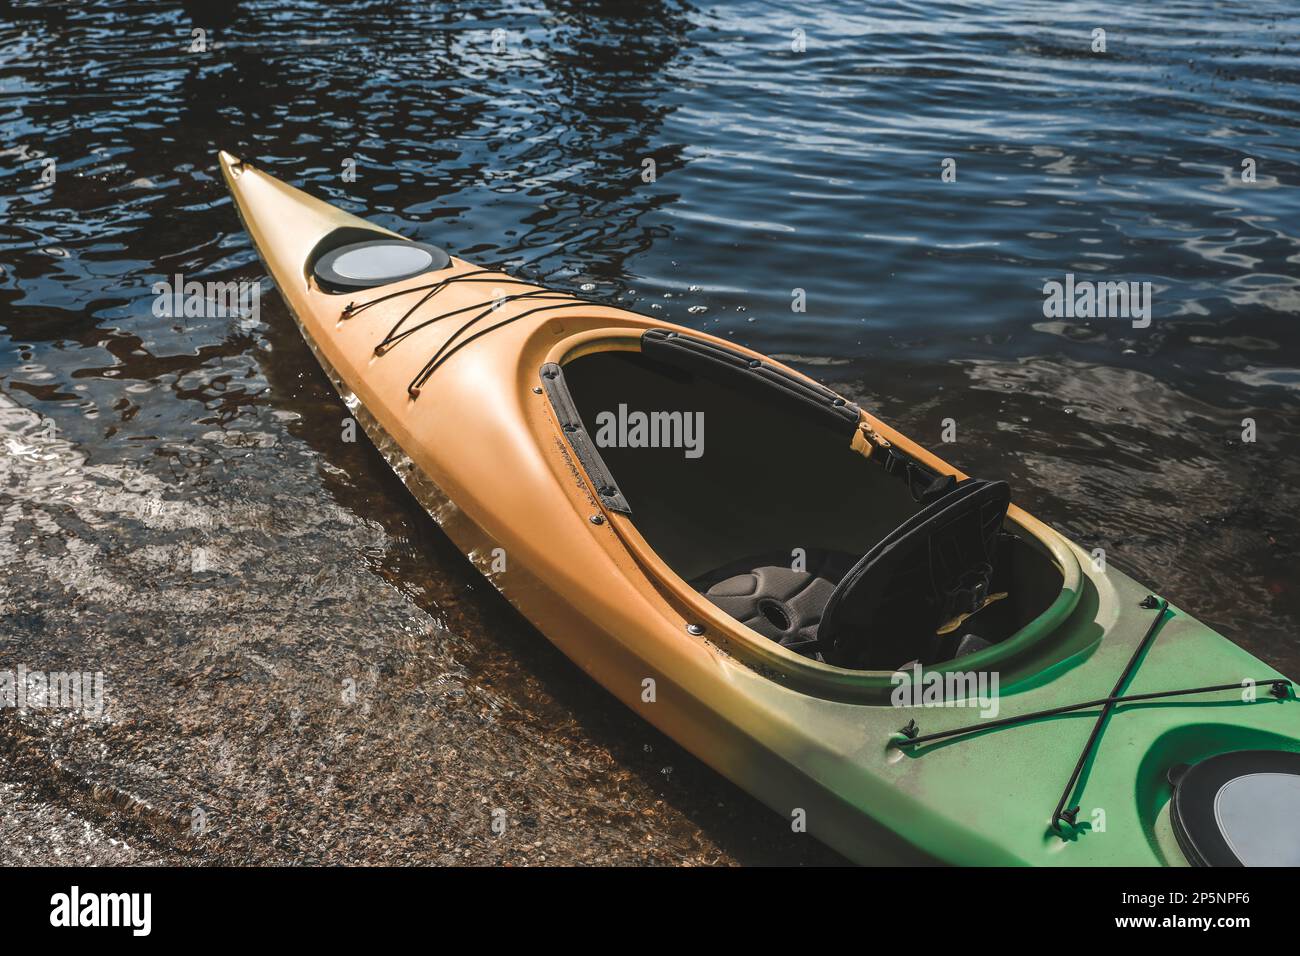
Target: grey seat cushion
point(769, 596)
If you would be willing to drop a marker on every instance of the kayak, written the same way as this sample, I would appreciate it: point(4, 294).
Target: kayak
point(886, 651)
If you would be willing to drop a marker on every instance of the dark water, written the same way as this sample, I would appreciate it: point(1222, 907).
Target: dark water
point(777, 170)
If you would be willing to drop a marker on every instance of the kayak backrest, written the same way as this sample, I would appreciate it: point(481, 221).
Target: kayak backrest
point(932, 571)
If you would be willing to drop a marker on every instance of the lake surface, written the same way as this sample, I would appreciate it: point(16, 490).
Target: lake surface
point(798, 161)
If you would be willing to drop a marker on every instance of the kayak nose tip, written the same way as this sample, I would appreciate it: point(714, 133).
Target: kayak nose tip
point(231, 165)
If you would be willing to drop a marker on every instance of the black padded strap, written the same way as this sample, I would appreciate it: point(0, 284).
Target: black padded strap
point(742, 371)
point(925, 484)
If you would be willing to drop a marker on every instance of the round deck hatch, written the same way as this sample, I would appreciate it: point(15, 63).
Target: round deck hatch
point(376, 262)
point(1239, 809)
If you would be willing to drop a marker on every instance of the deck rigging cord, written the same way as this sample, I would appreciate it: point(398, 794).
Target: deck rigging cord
point(454, 342)
point(1060, 813)
point(1277, 689)
point(911, 737)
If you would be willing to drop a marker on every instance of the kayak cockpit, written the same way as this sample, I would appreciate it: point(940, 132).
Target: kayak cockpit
point(756, 488)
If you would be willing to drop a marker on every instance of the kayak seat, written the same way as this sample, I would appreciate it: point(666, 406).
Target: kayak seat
point(912, 597)
point(777, 596)
point(906, 599)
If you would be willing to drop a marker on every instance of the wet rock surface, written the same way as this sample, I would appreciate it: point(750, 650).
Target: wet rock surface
point(288, 681)
point(38, 831)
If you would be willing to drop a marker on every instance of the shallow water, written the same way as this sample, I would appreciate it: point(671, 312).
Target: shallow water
point(137, 440)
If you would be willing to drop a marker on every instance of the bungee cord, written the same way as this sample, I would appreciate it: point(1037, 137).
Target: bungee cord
point(454, 342)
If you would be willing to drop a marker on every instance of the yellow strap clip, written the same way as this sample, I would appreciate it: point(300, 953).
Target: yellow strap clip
point(866, 440)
